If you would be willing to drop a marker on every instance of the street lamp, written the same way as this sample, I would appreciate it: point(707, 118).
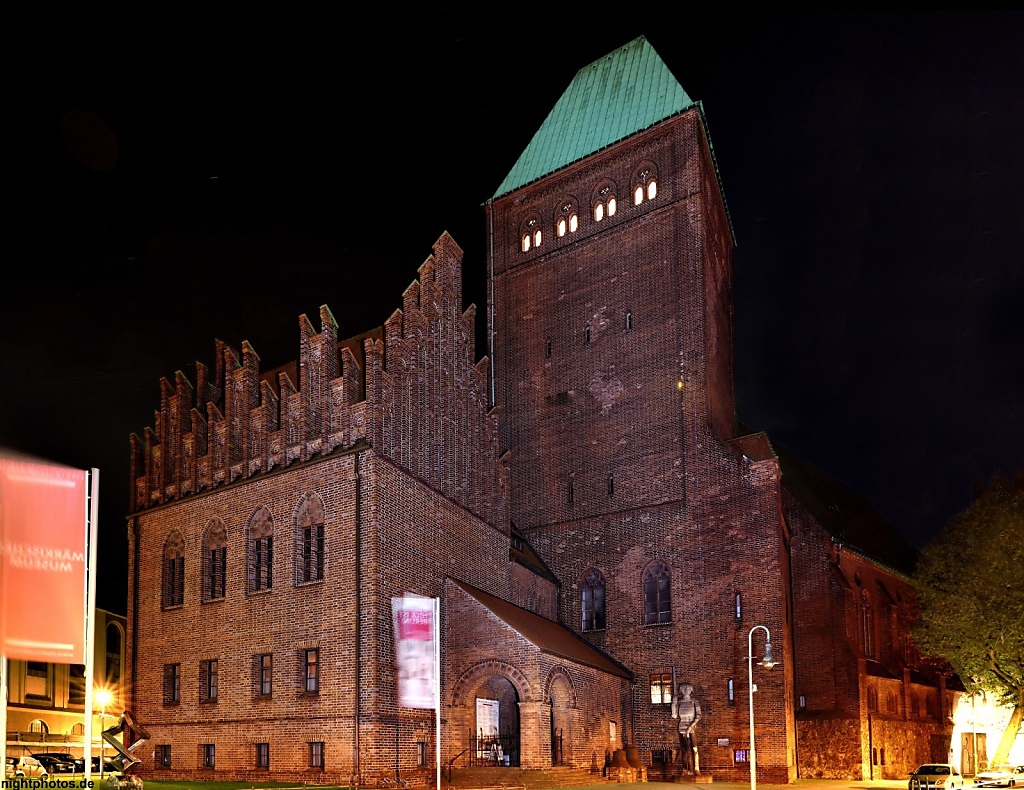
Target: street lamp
point(103, 697)
point(767, 662)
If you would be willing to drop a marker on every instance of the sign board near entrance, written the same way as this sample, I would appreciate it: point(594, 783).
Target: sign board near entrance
point(415, 631)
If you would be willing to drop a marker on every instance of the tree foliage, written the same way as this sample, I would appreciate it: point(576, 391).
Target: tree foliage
point(970, 586)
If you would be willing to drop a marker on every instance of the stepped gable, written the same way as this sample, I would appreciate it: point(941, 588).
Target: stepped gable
point(411, 389)
point(850, 520)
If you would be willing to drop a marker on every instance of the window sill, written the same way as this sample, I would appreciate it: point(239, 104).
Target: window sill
point(308, 582)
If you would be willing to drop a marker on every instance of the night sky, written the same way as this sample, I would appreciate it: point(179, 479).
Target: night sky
point(172, 182)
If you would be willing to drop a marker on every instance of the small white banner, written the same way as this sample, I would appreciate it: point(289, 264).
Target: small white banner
point(415, 631)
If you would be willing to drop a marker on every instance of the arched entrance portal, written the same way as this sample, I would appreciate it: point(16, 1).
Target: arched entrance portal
point(561, 698)
point(485, 707)
point(496, 723)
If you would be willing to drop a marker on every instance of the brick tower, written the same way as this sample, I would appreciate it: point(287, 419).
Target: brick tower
point(611, 333)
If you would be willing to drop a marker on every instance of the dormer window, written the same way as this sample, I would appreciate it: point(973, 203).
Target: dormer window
point(604, 200)
point(645, 184)
point(568, 220)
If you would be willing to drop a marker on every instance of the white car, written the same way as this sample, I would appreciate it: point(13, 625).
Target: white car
point(28, 767)
point(935, 776)
point(1000, 776)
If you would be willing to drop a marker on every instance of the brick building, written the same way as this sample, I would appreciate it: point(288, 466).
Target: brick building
point(597, 526)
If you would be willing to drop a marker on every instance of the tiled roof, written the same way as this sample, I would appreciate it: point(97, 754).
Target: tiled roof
point(621, 94)
point(549, 636)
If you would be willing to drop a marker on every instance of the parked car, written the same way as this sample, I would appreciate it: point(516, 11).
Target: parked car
point(108, 766)
point(25, 766)
point(1001, 776)
point(56, 762)
point(935, 775)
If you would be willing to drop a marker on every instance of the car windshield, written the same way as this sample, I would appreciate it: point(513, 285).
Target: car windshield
point(934, 770)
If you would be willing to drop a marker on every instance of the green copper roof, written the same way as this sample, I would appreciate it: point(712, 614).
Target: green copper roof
point(612, 98)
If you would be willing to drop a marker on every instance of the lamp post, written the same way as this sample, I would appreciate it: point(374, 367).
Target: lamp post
point(767, 662)
point(102, 696)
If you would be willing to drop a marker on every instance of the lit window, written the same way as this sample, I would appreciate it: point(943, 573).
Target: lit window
point(574, 222)
point(738, 606)
point(731, 691)
point(263, 755)
point(536, 238)
point(741, 755)
point(264, 674)
point(526, 242)
point(603, 200)
point(652, 189)
point(560, 227)
point(802, 702)
point(529, 233)
point(611, 206)
point(592, 600)
point(638, 195)
point(598, 212)
point(657, 594)
point(645, 184)
point(311, 677)
point(208, 755)
point(661, 688)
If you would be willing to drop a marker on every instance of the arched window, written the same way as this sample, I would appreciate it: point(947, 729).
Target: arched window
point(592, 600)
point(40, 726)
point(215, 557)
point(260, 560)
point(309, 540)
point(657, 594)
point(568, 220)
point(872, 699)
point(891, 705)
point(867, 625)
point(645, 183)
point(603, 201)
point(174, 570)
point(530, 235)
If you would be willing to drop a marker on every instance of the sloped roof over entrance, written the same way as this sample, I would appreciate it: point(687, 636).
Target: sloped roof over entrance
point(620, 94)
point(549, 636)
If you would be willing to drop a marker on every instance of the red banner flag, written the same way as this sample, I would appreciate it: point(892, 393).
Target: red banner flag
point(415, 631)
point(43, 537)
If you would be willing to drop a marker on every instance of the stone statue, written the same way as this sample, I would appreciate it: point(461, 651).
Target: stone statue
point(687, 710)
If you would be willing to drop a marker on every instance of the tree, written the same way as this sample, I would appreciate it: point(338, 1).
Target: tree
point(970, 585)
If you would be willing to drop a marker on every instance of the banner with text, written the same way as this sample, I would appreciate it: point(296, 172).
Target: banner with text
point(43, 539)
point(415, 631)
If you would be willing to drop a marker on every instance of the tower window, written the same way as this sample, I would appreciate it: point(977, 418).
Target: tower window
point(629, 322)
point(738, 606)
point(645, 184)
point(568, 221)
point(586, 334)
point(174, 570)
point(657, 594)
point(571, 495)
point(260, 561)
point(547, 349)
point(611, 485)
point(530, 235)
point(731, 691)
point(603, 200)
point(592, 600)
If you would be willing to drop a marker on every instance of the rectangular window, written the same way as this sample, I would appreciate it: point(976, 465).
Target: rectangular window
point(312, 553)
point(216, 562)
point(740, 755)
point(76, 684)
point(262, 755)
point(316, 755)
point(208, 680)
point(422, 755)
point(208, 755)
point(172, 684)
point(174, 581)
point(311, 680)
point(661, 756)
point(661, 688)
point(163, 755)
point(264, 551)
point(264, 674)
point(38, 684)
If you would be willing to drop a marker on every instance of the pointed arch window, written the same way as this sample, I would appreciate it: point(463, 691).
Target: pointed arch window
point(645, 183)
point(214, 560)
point(309, 540)
point(657, 584)
point(260, 553)
point(174, 570)
point(867, 625)
point(592, 600)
